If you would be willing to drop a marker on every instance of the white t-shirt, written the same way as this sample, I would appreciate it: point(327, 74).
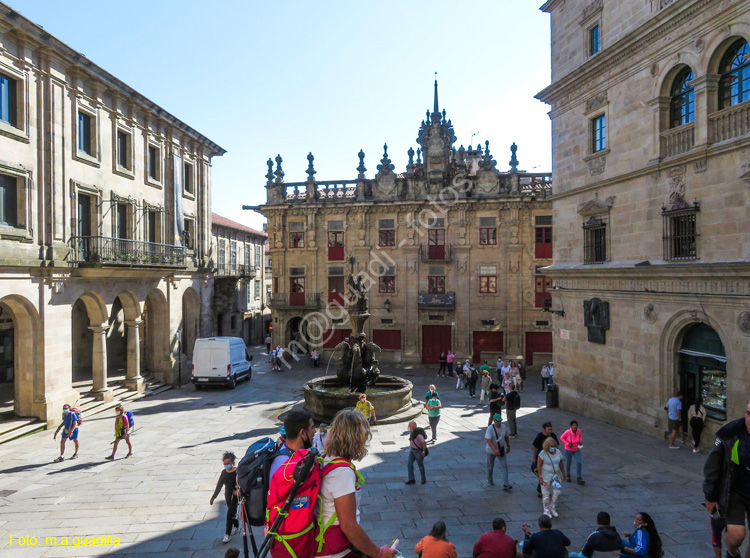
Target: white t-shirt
point(502, 433)
point(505, 368)
point(338, 483)
point(550, 464)
point(319, 440)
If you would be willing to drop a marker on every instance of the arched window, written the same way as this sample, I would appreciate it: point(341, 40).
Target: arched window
point(734, 87)
point(682, 108)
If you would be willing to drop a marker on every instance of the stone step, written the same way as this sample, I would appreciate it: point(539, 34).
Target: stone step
point(26, 427)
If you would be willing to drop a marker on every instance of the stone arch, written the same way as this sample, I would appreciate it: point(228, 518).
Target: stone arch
point(154, 344)
point(88, 313)
point(719, 44)
point(191, 311)
point(28, 348)
point(130, 305)
point(668, 74)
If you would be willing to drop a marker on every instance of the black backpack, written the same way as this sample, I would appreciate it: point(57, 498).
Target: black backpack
point(253, 477)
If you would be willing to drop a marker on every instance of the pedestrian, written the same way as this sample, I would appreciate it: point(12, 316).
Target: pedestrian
point(545, 377)
point(463, 375)
point(417, 452)
point(472, 379)
point(674, 414)
point(551, 472)
point(496, 400)
point(605, 541)
point(433, 414)
point(267, 341)
point(319, 439)
point(436, 544)
point(340, 491)
point(299, 431)
point(430, 391)
point(315, 358)
point(228, 479)
point(522, 374)
point(572, 440)
point(547, 542)
point(538, 444)
point(484, 368)
point(507, 381)
point(513, 403)
point(498, 447)
point(498, 369)
point(484, 385)
point(449, 358)
point(726, 483)
point(69, 427)
point(645, 540)
point(551, 368)
point(365, 408)
point(443, 365)
point(496, 543)
point(122, 432)
point(696, 419)
point(515, 376)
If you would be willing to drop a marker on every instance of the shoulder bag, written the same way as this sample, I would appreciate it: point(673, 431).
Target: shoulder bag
point(556, 484)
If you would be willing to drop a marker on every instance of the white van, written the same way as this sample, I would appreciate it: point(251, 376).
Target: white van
point(220, 360)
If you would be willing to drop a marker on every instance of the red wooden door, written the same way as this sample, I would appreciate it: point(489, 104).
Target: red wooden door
point(543, 244)
point(435, 340)
point(333, 337)
point(537, 342)
point(436, 244)
point(542, 289)
point(387, 339)
point(487, 341)
point(336, 246)
point(297, 291)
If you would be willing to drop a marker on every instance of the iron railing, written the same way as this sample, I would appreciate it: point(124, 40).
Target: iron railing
point(104, 250)
point(436, 300)
point(237, 270)
point(281, 301)
point(436, 253)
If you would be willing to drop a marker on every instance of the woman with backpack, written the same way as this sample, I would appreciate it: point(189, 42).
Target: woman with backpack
point(340, 492)
point(696, 418)
point(122, 432)
point(228, 479)
point(436, 544)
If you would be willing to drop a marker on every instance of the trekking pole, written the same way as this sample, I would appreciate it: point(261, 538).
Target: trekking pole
point(247, 528)
point(300, 473)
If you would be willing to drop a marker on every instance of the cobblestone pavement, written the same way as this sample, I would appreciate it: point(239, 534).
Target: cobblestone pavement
point(157, 501)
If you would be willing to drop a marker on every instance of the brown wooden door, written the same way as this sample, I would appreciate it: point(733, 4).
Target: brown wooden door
point(487, 341)
point(435, 340)
point(436, 244)
point(537, 342)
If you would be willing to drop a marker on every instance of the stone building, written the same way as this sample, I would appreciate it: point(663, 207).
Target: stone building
point(239, 277)
point(104, 229)
point(449, 248)
point(651, 149)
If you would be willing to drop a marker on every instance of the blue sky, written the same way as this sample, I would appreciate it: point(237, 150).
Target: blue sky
point(331, 78)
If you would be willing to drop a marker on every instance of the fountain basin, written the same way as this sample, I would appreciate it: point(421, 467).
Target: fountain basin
point(324, 397)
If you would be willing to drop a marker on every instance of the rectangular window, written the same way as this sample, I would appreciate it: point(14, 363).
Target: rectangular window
point(436, 222)
point(386, 232)
point(222, 254)
point(487, 231)
point(541, 290)
point(233, 256)
point(153, 163)
point(436, 279)
point(123, 149)
point(84, 133)
point(680, 234)
point(257, 290)
point(296, 271)
point(8, 201)
point(387, 280)
point(297, 226)
point(121, 224)
point(296, 240)
point(151, 227)
point(543, 236)
point(336, 289)
point(248, 300)
point(599, 133)
point(248, 257)
point(187, 177)
point(594, 40)
point(8, 105)
point(594, 241)
point(335, 245)
point(488, 279)
point(187, 233)
point(257, 255)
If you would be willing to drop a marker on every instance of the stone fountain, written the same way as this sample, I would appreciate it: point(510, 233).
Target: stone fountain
point(358, 369)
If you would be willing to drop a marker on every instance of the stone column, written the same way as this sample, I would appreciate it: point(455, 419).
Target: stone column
point(134, 380)
point(706, 89)
point(99, 363)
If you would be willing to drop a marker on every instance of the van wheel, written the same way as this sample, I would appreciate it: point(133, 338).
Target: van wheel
point(198, 386)
point(249, 375)
point(233, 383)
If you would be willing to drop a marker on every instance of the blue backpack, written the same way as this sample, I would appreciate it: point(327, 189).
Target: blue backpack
point(131, 420)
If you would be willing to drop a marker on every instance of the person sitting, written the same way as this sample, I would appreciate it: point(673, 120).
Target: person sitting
point(605, 542)
point(315, 358)
point(644, 541)
point(495, 544)
point(547, 542)
point(436, 544)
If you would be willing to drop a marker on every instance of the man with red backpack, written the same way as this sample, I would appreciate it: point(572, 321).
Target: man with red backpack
point(70, 424)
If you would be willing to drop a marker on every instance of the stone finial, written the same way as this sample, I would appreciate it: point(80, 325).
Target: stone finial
point(411, 158)
point(269, 174)
point(513, 158)
point(419, 155)
point(279, 173)
point(361, 168)
point(385, 163)
point(487, 161)
point(461, 155)
point(310, 169)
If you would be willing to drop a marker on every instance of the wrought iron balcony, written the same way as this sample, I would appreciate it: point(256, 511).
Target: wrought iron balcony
point(437, 300)
point(103, 250)
point(285, 301)
point(436, 253)
point(237, 270)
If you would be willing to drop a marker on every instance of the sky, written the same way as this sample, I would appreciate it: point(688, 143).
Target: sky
point(262, 78)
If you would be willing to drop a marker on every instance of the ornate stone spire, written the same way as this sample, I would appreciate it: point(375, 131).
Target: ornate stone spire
point(487, 162)
point(361, 168)
point(513, 159)
point(436, 109)
point(411, 158)
point(279, 173)
point(269, 174)
point(385, 163)
point(310, 169)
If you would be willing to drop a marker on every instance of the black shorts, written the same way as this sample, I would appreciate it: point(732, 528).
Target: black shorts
point(738, 510)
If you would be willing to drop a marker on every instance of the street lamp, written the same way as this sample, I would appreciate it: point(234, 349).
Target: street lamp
point(547, 307)
point(387, 305)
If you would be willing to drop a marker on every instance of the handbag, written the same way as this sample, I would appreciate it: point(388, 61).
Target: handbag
point(556, 484)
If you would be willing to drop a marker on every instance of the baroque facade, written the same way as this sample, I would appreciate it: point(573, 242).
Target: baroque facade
point(239, 304)
point(104, 229)
point(449, 248)
point(651, 149)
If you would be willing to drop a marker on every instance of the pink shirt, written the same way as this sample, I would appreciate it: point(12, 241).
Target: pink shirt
point(572, 441)
point(450, 357)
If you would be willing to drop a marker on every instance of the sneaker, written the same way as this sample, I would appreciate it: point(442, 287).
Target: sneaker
point(547, 513)
point(410, 482)
point(581, 482)
point(512, 436)
point(225, 539)
point(74, 456)
point(129, 455)
point(490, 483)
point(695, 450)
point(554, 513)
point(234, 531)
point(59, 459)
point(507, 487)
point(674, 447)
point(110, 458)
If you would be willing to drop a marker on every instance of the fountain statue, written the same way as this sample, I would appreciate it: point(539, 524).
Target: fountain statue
point(358, 369)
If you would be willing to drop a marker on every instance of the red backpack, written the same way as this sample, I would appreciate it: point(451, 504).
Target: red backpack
point(79, 414)
point(300, 535)
point(331, 538)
